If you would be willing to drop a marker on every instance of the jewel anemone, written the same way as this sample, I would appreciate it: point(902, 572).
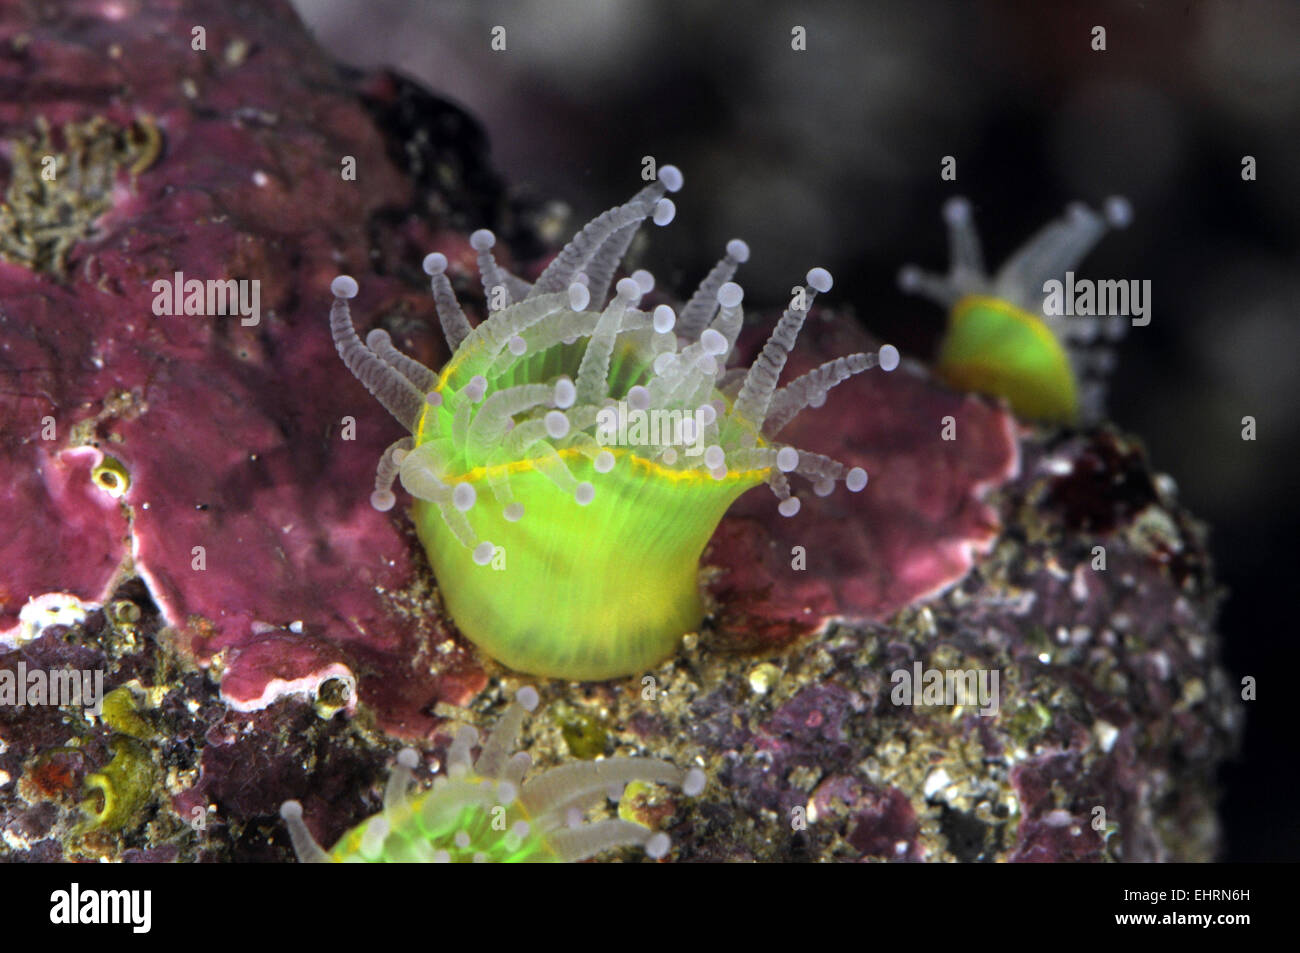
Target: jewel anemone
point(999, 339)
point(483, 810)
point(570, 462)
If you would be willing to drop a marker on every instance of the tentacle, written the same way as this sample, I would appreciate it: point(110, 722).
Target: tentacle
point(696, 313)
point(304, 845)
point(787, 402)
point(579, 843)
point(386, 383)
point(730, 318)
point(491, 274)
point(490, 423)
point(496, 750)
point(760, 383)
point(455, 326)
point(382, 498)
point(420, 376)
point(560, 273)
point(593, 372)
point(1056, 248)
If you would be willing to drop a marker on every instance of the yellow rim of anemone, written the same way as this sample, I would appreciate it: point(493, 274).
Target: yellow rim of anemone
point(692, 475)
point(1039, 328)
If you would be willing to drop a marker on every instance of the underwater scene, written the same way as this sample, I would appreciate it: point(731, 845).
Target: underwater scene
point(647, 432)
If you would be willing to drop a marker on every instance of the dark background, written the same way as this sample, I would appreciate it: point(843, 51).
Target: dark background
point(831, 156)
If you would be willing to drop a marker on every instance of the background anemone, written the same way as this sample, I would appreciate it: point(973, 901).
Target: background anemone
point(1001, 339)
point(572, 459)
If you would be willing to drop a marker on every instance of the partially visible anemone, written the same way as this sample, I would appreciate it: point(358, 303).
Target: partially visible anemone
point(999, 338)
point(564, 546)
point(483, 810)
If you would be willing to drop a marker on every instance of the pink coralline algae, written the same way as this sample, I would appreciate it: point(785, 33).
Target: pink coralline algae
point(242, 513)
point(73, 538)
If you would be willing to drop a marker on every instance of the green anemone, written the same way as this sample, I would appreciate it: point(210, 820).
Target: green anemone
point(484, 810)
point(572, 459)
point(1000, 339)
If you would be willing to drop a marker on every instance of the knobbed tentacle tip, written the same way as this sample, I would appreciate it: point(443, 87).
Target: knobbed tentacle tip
point(1118, 211)
point(291, 810)
point(820, 280)
point(693, 783)
point(476, 388)
point(730, 295)
point(579, 296)
point(435, 263)
point(482, 240)
point(738, 249)
point(463, 497)
point(344, 286)
point(657, 846)
point(629, 290)
point(565, 393)
point(671, 177)
point(888, 357)
point(713, 341)
point(528, 697)
point(557, 424)
point(957, 210)
point(665, 211)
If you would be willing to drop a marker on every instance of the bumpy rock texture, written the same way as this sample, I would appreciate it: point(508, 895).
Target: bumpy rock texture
point(272, 636)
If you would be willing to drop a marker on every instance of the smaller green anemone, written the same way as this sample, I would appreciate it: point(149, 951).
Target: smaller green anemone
point(1000, 340)
point(572, 459)
point(484, 811)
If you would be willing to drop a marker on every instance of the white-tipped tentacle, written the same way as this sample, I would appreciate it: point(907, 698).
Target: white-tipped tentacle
point(579, 843)
point(760, 383)
point(420, 376)
point(593, 372)
point(304, 845)
point(787, 402)
point(399, 781)
point(386, 383)
point(573, 258)
point(496, 289)
point(455, 326)
point(695, 314)
point(382, 498)
point(729, 319)
point(490, 423)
